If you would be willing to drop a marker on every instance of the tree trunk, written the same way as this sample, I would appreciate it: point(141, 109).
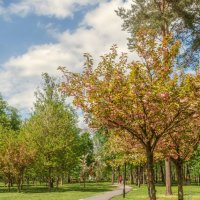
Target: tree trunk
point(156, 174)
point(138, 176)
point(150, 174)
point(168, 176)
point(124, 182)
point(27, 181)
point(131, 174)
point(162, 173)
point(113, 176)
point(9, 181)
point(143, 175)
point(84, 181)
point(61, 180)
point(199, 180)
point(68, 178)
point(188, 174)
point(119, 173)
point(19, 184)
point(19, 180)
point(50, 180)
point(179, 170)
point(57, 181)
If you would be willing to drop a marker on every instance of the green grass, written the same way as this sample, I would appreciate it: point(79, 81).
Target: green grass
point(191, 193)
point(76, 192)
point(66, 192)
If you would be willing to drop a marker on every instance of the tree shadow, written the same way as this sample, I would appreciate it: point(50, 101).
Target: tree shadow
point(66, 188)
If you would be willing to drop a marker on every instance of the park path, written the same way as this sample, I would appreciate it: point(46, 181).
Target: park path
point(109, 195)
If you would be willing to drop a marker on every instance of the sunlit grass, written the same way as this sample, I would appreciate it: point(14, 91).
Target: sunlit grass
point(191, 193)
point(76, 192)
point(66, 192)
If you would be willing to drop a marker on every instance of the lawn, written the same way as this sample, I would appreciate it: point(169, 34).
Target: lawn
point(191, 193)
point(66, 192)
point(76, 192)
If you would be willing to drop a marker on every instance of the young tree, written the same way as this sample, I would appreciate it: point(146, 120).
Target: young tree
point(86, 155)
point(16, 154)
point(53, 129)
point(195, 164)
point(4, 119)
point(141, 98)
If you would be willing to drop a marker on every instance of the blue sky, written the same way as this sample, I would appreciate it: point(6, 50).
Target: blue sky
point(39, 35)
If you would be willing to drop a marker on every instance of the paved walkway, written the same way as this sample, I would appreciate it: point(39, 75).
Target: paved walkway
point(109, 195)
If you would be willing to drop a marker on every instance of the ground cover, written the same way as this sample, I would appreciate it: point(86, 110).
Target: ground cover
point(192, 192)
point(66, 192)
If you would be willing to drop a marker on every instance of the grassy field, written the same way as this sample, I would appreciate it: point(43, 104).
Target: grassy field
point(76, 192)
point(67, 192)
point(191, 193)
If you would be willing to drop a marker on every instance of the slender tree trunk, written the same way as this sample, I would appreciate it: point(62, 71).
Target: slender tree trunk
point(143, 175)
point(131, 174)
point(162, 173)
point(124, 182)
point(179, 170)
point(50, 180)
point(20, 180)
point(68, 178)
point(156, 174)
point(119, 173)
point(61, 180)
point(168, 177)
point(150, 174)
point(138, 176)
point(9, 181)
point(57, 181)
point(19, 184)
point(199, 180)
point(27, 180)
point(84, 180)
point(188, 174)
point(113, 176)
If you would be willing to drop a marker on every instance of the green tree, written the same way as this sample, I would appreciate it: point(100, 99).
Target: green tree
point(86, 155)
point(16, 154)
point(9, 116)
point(14, 118)
point(53, 129)
point(86, 146)
point(4, 120)
point(195, 164)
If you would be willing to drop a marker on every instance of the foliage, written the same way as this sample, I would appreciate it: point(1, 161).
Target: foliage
point(122, 148)
point(16, 155)
point(195, 163)
point(178, 16)
point(148, 99)
point(53, 130)
point(9, 117)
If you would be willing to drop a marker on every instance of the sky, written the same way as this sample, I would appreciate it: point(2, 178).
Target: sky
point(38, 36)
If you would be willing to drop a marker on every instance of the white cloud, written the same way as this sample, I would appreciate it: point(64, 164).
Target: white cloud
point(51, 8)
point(41, 58)
point(98, 31)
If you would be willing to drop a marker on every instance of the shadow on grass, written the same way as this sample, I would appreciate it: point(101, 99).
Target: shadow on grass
point(96, 188)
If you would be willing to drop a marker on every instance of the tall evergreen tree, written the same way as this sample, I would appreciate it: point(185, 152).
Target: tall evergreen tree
point(180, 17)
